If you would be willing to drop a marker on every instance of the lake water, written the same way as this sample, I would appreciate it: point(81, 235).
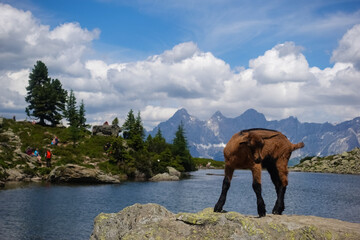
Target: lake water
point(47, 211)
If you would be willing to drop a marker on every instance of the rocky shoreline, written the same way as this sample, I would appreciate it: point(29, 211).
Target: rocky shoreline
point(344, 163)
point(153, 221)
point(72, 173)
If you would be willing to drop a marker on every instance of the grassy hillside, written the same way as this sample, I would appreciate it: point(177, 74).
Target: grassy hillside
point(17, 137)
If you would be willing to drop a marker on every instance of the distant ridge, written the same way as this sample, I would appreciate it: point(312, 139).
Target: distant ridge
point(208, 138)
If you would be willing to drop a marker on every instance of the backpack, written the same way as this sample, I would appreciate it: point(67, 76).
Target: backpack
point(48, 154)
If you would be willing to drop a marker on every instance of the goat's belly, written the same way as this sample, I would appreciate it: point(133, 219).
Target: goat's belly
point(242, 165)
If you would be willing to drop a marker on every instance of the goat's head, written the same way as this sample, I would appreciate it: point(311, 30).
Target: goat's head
point(255, 143)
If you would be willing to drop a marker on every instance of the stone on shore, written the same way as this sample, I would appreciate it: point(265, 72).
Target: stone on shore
point(152, 221)
point(72, 173)
point(171, 175)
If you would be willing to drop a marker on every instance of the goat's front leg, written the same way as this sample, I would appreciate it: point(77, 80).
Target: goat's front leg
point(225, 187)
point(256, 171)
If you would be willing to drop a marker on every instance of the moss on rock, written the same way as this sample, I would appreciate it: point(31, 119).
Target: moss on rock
point(152, 221)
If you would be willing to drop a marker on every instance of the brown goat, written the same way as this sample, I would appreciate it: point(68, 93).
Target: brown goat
point(253, 149)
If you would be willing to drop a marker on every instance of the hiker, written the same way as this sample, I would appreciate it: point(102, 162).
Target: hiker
point(37, 155)
point(55, 141)
point(29, 151)
point(48, 158)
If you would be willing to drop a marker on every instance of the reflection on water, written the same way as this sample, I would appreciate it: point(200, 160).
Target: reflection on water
point(46, 211)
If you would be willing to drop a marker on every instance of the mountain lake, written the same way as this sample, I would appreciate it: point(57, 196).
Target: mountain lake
point(48, 211)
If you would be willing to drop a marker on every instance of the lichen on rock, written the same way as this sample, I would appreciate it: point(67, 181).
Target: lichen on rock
point(152, 221)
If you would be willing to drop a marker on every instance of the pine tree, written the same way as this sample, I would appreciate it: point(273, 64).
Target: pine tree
point(72, 115)
point(82, 119)
point(158, 143)
point(115, 121)
point(137, 134)
point(128, 126)
point(46, 97)
point(133, 131)
point(180, 149)
point(57, 99)
point(139, 128)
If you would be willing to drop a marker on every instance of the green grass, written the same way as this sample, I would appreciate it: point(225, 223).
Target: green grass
point(109, 168)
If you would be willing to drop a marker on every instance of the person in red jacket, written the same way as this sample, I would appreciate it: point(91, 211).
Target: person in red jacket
point(48, 156)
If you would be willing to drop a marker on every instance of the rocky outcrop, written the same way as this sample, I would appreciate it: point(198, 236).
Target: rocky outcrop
point(171, 175)
point(72, 173)
point(106, 130)
point(152, 221)
point(344, 163)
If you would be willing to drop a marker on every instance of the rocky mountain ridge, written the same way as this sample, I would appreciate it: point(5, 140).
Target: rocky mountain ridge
point(153, 221)
point(208, 138)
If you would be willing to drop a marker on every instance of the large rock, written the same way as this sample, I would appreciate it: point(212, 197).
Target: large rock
point(171, 175)
point(72, 173)
point(152, 221)
point(106, 130)
point(14, 174)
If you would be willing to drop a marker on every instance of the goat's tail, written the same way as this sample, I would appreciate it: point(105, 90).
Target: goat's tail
point(298, 145)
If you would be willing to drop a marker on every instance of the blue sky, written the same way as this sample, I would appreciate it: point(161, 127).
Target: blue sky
point(234, 31)
point(159, 56)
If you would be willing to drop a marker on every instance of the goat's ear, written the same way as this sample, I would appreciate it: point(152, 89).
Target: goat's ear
point(244, 138)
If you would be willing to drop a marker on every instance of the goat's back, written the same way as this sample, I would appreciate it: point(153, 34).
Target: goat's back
point(275, 145)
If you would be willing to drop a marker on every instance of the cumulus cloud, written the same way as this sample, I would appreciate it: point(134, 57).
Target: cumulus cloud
point(284, 62)
point(348, 50)
point(278, 83)
point(24, 40)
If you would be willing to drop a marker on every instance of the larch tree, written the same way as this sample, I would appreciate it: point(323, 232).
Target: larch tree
point(46, 97)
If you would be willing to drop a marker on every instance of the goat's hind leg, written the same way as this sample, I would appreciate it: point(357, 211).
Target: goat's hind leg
point(225, 187)
point(256, 171)
point(279, 179)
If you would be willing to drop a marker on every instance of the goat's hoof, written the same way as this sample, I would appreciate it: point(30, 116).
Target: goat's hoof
point(262, 215)
point(217, 209)
point(277, 212)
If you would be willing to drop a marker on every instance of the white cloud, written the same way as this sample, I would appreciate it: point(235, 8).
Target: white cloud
point(349, 48)
point(282, 63)
point(156, 114)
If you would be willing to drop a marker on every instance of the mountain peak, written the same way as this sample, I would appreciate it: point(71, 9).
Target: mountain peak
point(217, 115)
point(181, 112)
point(181, 115)
point(252, 114)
